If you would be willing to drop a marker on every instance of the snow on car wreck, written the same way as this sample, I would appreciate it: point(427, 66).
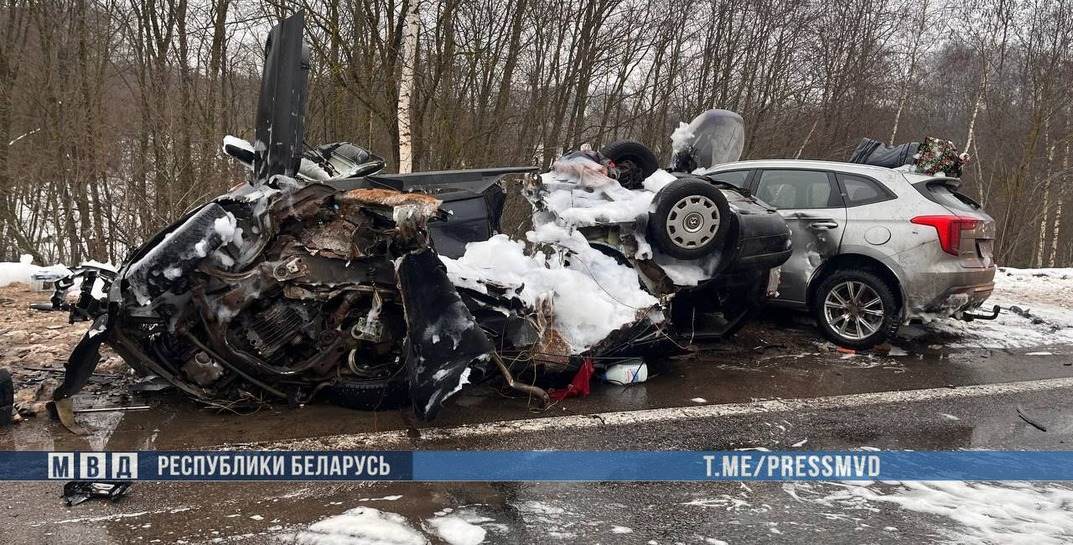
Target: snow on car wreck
point(322, 278)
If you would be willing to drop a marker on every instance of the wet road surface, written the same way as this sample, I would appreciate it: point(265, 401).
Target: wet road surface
point(768, 361)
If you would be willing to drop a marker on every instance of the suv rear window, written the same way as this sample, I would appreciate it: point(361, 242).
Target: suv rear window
point(735, 178)
point(939, 192)
point(859, 190)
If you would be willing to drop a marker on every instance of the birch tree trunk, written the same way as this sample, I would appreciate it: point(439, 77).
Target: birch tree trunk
point(406, 88)
point(1041, 246)
point(1056, 230)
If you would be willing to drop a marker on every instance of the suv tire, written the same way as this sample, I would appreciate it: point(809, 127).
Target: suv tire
point(856, 309)
point(690, 220)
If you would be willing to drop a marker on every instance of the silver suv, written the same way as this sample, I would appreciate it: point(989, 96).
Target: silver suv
point(873, 247)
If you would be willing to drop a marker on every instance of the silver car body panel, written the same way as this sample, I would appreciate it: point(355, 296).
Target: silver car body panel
point(931, 282)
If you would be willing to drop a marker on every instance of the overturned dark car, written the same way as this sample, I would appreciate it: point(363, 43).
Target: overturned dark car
point(323, 278)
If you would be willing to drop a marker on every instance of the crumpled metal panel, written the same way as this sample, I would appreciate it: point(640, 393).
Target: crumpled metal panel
point(281, 107)
point(444, 339)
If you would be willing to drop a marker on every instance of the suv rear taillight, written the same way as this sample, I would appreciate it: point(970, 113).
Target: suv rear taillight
point(949, 229)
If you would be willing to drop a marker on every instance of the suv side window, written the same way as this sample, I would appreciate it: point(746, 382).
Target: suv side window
point(859, 190)
point(797, 189)
point(736, 178)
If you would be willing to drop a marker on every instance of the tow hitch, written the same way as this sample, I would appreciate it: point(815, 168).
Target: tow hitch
point(968, 317)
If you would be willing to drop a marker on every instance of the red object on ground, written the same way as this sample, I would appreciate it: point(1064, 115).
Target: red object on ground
point(579, 386)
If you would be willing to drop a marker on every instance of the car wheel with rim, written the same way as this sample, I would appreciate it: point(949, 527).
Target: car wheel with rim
point(857, 309)
point(690, 219)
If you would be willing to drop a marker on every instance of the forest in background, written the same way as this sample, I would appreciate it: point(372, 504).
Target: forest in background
point(112, 112)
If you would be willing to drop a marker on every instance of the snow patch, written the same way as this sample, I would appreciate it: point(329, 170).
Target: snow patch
point(362, 526)
point(1011, 513)
point(682, 137)
point(580, 204)
point(462, 381)
point(23, 271)
point(456, 531)
point(688, 273)
point(592, 293)
point(1047, 296)
point(394, 497)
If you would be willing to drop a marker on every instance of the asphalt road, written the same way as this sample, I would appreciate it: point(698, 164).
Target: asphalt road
point(771, 388)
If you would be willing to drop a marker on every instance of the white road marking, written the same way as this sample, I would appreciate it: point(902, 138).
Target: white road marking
point(357, 441)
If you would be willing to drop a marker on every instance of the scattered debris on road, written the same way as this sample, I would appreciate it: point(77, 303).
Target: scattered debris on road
point(1031, 421)
point(76, 492)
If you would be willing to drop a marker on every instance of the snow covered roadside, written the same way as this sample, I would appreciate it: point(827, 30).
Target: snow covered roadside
point(1047, 295)
point(984, 513)
point(22, 272)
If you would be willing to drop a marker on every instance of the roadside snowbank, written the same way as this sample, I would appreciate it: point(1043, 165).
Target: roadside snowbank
point(21, 272)
point(1046, 295)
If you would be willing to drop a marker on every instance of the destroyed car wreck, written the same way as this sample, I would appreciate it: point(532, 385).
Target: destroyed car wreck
point(320, 278)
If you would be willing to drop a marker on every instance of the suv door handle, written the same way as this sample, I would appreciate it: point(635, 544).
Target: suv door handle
point(823, 224)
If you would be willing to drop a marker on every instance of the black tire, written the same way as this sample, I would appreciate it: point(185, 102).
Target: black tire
point(678, 205)
point(856, 324)
point(367, 395)
point(633, 161)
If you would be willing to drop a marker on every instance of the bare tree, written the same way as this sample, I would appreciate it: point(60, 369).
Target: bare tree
point(406, 84)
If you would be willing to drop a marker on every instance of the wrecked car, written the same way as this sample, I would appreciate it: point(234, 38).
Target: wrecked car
point(320, 277)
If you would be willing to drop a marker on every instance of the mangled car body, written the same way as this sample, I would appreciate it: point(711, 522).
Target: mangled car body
point(322, 278)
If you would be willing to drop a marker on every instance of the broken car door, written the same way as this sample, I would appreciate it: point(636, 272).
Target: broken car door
point(811, 204)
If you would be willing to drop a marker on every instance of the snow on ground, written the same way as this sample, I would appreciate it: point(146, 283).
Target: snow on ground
point(368, 526)
point(1010, 513)
point(457, 531)
point(1047, 294)
point(11, 273)
point(362, 526)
